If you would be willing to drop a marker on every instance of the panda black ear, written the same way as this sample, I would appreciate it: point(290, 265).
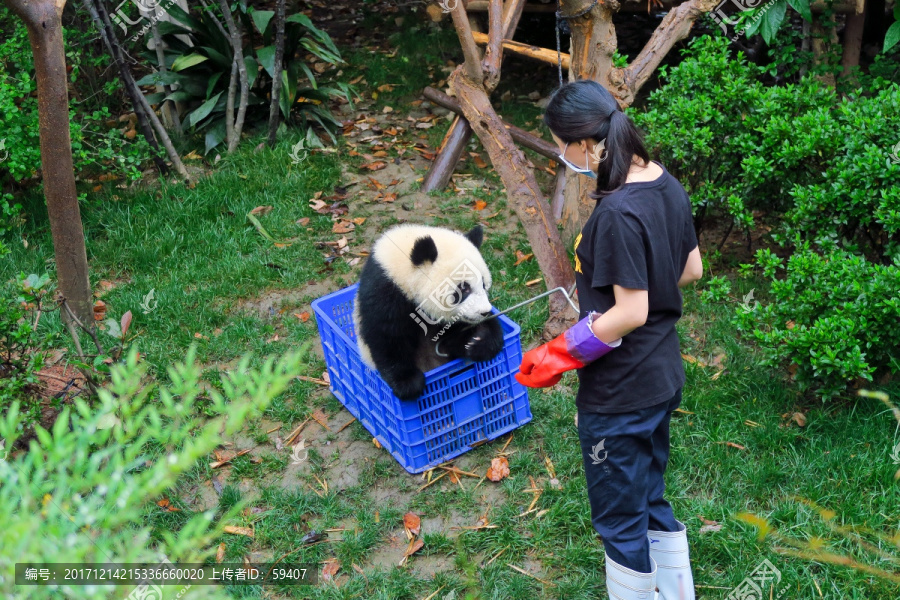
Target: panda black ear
point(476, 236)
point(424, 250)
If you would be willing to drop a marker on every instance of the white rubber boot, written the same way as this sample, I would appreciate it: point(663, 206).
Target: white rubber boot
point(624, 584)
point(670, 551)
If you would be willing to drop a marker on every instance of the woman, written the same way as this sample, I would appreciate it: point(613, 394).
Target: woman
point(635, 252)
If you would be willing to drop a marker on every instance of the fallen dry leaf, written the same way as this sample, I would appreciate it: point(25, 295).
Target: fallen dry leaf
point(330, 569)
point(521, 257)
point(261, 210)
point(480, 204)
point(303, 221)
point(412, 522)
point(799, 418)
point(499, 469)
point(320, 418)
point(99, 310)
point(247, 531)
point(304, 316)
point(413, 548)
point(342, 226)
point(359, 221)
point(376, 442)
point(375, 166)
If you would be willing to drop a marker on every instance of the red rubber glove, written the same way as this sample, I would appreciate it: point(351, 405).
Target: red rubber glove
point(577, 346)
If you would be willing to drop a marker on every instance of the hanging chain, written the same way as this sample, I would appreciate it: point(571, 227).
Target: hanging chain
point(559, 16)
point(558, 53)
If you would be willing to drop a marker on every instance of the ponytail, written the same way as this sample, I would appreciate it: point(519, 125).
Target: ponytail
point(585, 109)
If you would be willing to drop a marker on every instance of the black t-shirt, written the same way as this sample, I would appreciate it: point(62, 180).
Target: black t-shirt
point(638, 237)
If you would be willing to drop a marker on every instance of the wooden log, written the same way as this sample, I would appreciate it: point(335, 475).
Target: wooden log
point(558, 198)
point(640, 6)
point(512, 12)
point(523, 194)
point(853, 37)
point(448, 155)
point(519, 135)
point(527, 50)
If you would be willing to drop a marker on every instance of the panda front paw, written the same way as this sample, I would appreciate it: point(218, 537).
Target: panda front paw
point(485, 343)
point(408, 387)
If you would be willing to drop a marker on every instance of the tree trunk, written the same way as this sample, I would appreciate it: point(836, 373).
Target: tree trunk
point(43, 20)
point(146, 116)
point(853, 37)
point(591, 56)
point(468, 83)
point(824, 39)
point(460, 131)
point(238, 47)
point(167, 107)
point(275, 106)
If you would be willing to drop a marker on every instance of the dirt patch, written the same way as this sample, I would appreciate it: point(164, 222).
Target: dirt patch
point(273, 303)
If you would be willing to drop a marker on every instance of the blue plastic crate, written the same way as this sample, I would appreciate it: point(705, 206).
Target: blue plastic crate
point(464, 402)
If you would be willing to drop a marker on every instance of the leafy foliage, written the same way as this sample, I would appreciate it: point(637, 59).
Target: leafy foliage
point(835, 316)
point(91, 483)
point(22, 350)
point(200, 72)
point(96, 146)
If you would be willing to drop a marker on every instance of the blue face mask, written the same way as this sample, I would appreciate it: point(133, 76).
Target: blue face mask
point(581, 170)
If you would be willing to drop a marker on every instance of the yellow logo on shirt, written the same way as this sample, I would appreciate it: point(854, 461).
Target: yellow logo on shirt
point(577, 262)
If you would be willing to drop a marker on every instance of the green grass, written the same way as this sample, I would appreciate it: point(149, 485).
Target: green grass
point(197, 251)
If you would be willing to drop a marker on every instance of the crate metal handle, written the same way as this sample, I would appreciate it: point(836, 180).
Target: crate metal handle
point(568, 296)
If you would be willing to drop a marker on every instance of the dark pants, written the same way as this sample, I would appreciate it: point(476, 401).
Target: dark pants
point(625, 456)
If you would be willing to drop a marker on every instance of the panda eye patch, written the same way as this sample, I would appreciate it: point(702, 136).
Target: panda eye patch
point(462, 292)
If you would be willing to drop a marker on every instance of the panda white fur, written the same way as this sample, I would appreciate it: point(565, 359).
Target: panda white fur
point(420, 292)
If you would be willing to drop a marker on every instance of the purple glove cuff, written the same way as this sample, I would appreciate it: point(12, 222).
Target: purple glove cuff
point(583, 345)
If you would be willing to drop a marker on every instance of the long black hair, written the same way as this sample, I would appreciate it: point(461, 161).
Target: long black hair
point(585, 109)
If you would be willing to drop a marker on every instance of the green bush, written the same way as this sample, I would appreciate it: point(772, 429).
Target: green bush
point(738, 145)
point(83, 492)
point(855, 202)
point(97, 148)
point(200, 72)
point(835, 316)
point(22, 349)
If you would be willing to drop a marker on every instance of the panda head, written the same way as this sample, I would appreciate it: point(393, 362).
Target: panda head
point(440, 270)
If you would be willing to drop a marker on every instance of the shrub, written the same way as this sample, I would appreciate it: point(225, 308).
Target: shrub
point(81, 494)
point(792, 151)
point(96, 147)
point(835, 317)
point(200, 72)
point(22, 350)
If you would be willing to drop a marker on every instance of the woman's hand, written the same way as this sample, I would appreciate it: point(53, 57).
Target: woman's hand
point(577, 346)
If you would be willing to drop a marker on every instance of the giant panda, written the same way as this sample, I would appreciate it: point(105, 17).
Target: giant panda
point(420, 291)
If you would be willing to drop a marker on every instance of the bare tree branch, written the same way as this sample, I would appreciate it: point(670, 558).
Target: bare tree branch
point(238, 47)
point(675, 26)
point(470, 49)
point(493, 53)
point(275, 106)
